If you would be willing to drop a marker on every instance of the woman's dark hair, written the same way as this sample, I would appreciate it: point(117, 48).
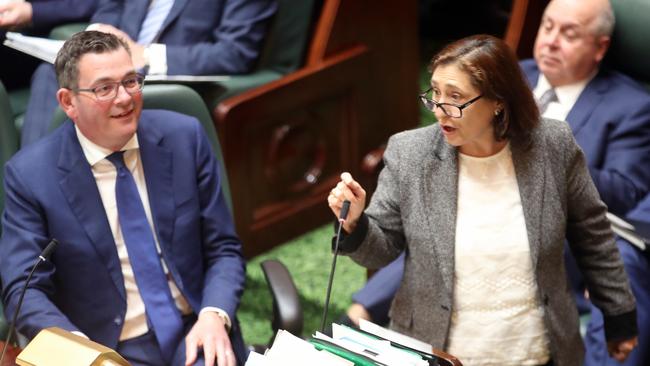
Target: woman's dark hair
point(494, 71)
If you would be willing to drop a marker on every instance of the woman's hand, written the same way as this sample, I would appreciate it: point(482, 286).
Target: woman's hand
point(621, 349)
point(351, 190)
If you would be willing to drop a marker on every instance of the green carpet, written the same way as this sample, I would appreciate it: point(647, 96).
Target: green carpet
point(308, 259)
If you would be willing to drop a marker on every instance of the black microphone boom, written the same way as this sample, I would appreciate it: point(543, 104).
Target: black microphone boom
point(45, 255)
point(342, 217)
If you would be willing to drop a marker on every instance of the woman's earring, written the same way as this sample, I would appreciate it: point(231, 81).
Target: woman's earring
point(496, 112)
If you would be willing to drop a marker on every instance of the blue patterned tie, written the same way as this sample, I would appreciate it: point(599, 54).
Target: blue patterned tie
point(154, 20)
point(161, 310)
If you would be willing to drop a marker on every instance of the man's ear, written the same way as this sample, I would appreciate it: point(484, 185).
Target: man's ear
point(65, 98)
point(602, 45)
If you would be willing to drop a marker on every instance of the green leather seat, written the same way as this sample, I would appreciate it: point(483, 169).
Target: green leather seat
point(181, 99)
point(8, 146)
point(284, 48)
point(629, 52)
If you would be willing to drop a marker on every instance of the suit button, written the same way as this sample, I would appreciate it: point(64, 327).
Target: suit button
point(117, 320)
point(546, 300)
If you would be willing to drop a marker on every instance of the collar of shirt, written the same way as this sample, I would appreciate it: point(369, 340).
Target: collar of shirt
point(567, 95)
point(95, 153)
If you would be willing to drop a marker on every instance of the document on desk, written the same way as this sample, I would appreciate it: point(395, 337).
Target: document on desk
point(628, 231)
point(186, 78)
point(393, 336)
point(289, 350)
point(39, 47)
point(366, 349)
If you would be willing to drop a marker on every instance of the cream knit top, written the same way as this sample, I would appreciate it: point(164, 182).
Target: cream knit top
point(497, 318)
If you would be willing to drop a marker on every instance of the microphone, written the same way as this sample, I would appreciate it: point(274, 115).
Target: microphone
point(345, 208)
point(45, 255)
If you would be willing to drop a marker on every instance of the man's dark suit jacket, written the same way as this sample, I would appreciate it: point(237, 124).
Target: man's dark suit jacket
point(203, 37)
point(51, 193)
point(611, 122)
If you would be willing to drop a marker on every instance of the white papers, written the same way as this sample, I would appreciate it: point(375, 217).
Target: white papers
point(626, 231)
point(43, 48)
point(289, 350)
point(379, 350)
point(187, 78)
point(393, 336)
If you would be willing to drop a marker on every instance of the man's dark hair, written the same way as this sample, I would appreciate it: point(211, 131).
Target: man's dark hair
point(67, 60)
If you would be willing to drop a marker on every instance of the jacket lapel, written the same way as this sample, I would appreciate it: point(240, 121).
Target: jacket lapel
point(440, 205)
point(529, 170)
point(592, 95)
point(80, 189)
point(174, 12)
point(158, 170)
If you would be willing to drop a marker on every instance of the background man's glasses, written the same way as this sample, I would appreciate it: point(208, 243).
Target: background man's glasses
point(451, 110)
point(108, 91)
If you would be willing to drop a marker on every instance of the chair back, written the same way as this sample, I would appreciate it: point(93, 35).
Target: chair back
point(629, 52)
point(284, 50)
point(181, 99)
point(286, 41)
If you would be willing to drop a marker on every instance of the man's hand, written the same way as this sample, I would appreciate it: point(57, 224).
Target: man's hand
point(15, 14)
point(137, 50)
point(209, 332)
point(621, 349)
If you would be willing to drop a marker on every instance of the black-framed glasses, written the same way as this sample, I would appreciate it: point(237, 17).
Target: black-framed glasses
point(108, 91)
point(451, 110)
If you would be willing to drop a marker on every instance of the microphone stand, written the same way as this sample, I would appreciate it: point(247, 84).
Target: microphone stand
point(45, 254)
point(344, 213)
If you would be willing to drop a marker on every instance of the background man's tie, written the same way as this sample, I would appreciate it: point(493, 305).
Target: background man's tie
point(546, 99)
point(153, 21)
point(150, 277)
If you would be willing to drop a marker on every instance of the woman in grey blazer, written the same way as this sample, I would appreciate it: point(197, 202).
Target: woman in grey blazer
point(481, 204)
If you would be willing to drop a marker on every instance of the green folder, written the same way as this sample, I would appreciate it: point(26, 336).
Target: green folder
point(357, 359)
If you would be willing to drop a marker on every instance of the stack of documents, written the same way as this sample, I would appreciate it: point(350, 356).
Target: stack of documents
point(637, 234)
point(289, 350)
point(371, 345)
point(43, 48)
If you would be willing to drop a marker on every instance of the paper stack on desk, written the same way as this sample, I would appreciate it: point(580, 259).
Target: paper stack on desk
point(371, 345)
point(289, 350)
point(366, 349)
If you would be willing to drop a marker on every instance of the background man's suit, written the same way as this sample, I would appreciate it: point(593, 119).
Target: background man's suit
point(611, 123)
point(203, 37)
point(51, 193)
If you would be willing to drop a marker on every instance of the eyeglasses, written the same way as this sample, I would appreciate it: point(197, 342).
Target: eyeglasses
point(451, 110)
point(108, 91)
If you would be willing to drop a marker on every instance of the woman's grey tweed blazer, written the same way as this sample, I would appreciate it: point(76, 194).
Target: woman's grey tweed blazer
point(414, 209)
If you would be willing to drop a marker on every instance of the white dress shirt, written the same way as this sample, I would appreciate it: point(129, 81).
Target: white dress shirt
point(567, 95)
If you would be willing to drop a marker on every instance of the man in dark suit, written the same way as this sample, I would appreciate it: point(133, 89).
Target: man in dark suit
point(609, 115)
point(173, 37)
point(148, 262)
